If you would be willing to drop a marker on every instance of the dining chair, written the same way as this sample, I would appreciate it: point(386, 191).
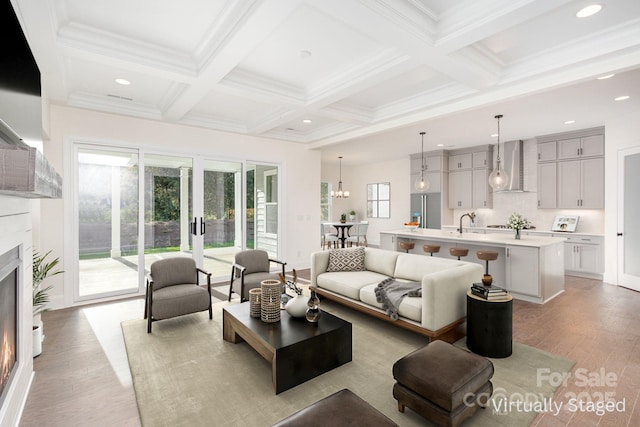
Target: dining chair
point(329, 236)
point(358, 234)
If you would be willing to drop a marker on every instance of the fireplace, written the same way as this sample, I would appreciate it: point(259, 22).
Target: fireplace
point(9, 263)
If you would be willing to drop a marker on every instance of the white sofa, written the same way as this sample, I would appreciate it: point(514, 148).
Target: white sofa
point(439, 314)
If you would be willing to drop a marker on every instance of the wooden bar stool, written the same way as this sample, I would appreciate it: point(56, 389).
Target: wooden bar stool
point(459, 252)
point(431, 249)
point(407, 246)
point(487, 256)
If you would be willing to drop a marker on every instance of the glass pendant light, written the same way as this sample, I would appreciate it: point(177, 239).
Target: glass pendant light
point(498, 179)
point(421, 184)
point(340, 193)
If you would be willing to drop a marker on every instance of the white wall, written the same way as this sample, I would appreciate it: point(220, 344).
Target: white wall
point(620, 133)
point(300, 175)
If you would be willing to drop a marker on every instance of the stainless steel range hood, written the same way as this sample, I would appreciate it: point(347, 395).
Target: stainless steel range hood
point(513, 165)
point(24, 172)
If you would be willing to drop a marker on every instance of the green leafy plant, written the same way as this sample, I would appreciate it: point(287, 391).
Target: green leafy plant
point(343, 217)
point(352, 212)
point(42, 269)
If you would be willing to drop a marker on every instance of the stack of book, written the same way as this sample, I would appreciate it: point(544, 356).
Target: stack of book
point(491, 293)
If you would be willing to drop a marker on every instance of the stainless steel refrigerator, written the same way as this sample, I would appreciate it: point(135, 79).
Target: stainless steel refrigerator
point(425, 208)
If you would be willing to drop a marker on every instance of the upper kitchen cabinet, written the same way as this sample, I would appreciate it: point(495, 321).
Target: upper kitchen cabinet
point(547, 151)
point(581, 184)
point(460, 161)
point(571, 170)
point(575, 148)
point(469, 169)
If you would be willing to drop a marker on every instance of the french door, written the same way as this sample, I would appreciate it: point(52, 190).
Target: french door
point(628, 214)
point(135, 207)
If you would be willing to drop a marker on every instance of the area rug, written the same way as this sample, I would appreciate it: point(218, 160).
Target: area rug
point(184, 374)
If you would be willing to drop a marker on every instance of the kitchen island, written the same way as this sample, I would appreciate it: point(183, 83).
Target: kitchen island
point(531, 269)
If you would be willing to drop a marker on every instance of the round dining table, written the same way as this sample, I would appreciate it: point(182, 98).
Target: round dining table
point(343, 230)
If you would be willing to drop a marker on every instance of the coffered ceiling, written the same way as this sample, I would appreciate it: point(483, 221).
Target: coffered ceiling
point(325, 72)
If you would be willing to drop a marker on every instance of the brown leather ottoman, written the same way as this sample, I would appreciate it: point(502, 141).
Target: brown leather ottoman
point(341, 409)
point(443, 383)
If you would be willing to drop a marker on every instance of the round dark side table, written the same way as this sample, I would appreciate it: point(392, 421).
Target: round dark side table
point(489, 326)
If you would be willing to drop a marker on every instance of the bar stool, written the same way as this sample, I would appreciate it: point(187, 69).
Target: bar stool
point(407, 246)
point(459, 252)
point(487, 256)
point(431, 249)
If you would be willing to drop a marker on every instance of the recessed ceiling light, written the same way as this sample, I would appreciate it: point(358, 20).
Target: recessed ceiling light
point(440, 145)
point(608, 76)
point(307, 120)
point(569, 122)
point(622, 98)
point(589, 11)
point(304, 54)
point(494, 135)
point(123, 82)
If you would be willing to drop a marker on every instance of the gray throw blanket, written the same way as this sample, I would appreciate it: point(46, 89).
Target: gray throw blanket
point(390, 293)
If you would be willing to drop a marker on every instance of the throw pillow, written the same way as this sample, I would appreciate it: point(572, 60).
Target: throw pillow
point(346, 259)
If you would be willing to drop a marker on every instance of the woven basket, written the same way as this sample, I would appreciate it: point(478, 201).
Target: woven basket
point(254, 302)
point(270, 300)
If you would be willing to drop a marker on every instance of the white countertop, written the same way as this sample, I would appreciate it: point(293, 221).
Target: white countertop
point(533, 230)
point(492, 239)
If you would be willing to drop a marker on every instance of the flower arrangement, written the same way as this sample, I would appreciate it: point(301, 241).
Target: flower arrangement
point(518, 222)
point(291, 284)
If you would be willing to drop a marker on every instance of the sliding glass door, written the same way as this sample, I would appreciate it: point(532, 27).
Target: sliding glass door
point(107, 217)
point(136, 207)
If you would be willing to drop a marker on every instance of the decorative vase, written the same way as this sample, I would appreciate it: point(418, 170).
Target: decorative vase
point(487, 280)
point(271, 290)
point(254, 302)
point(517, 234)
point(313, 312)
point(296, 306)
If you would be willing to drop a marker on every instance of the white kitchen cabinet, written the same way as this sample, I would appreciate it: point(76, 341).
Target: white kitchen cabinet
point(575, 148)
point(583, 255)
point(481, 159)
point(522, 270)
point(431, 163)
point(461, 189)
point(460, 161)
point(482, 195)
point(547, 185)
point(581, 184)
point(547, 151)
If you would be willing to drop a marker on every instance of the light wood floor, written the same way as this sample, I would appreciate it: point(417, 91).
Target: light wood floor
point(82, 377)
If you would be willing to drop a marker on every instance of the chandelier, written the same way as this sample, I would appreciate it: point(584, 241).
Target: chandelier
point(340, 193)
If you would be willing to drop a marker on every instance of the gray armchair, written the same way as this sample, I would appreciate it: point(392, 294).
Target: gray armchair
point(250, 268)
point(173, 289)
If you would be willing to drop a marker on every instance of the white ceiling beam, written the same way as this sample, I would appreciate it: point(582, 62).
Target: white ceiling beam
point(259, 21)
point(381, 22)
point(471, 21)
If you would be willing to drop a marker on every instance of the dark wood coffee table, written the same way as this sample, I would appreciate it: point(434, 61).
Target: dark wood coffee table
point(298, 350)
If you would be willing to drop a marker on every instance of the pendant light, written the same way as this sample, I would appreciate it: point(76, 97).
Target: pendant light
point(421, 184)
point(498, 178)
point(340, 193)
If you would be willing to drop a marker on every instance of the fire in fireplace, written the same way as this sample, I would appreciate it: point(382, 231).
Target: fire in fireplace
point(8, 318)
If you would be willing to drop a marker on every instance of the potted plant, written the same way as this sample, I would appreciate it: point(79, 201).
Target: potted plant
point(42, 269)
point(352, 215)
point(343, 218)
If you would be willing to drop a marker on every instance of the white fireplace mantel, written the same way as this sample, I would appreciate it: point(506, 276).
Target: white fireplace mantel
point(15, 231)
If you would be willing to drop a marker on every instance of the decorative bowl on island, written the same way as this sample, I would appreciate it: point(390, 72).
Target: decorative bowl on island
point(411, 225)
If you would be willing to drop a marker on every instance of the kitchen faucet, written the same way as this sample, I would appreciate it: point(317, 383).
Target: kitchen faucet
point(471, 215)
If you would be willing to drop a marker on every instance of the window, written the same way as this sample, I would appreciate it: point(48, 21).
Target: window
point(271, 201)
point(379, 200)
point(325, 201)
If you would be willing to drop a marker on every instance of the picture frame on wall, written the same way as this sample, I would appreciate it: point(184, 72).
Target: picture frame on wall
point(566, 223)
